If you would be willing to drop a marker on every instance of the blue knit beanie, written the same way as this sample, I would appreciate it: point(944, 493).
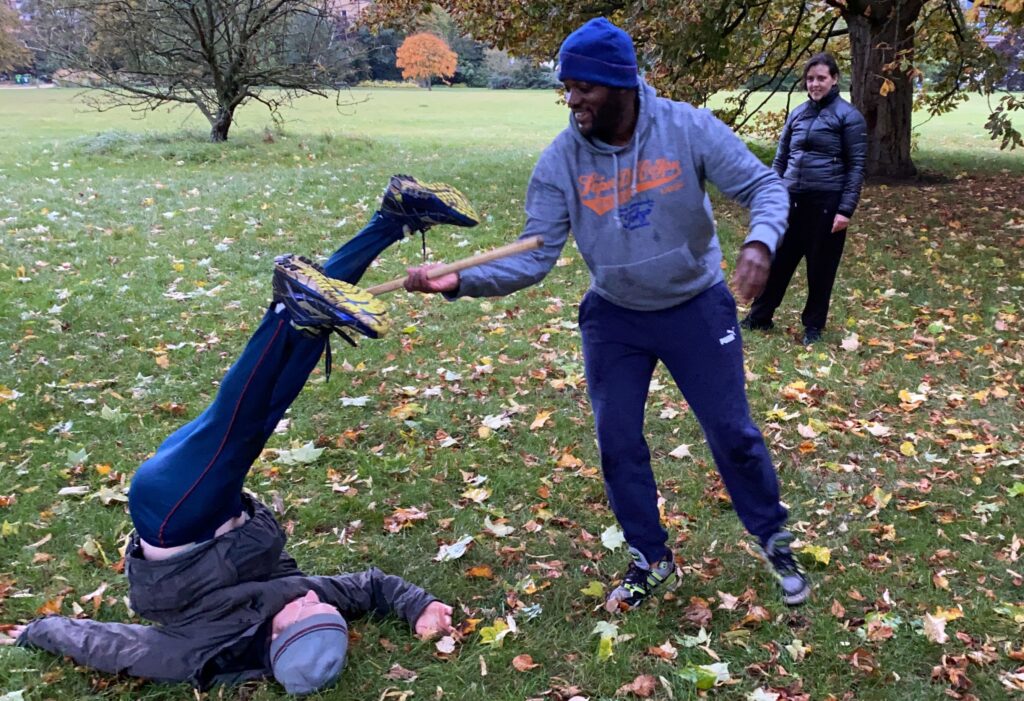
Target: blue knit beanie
point(309, 654)
point(598, 52)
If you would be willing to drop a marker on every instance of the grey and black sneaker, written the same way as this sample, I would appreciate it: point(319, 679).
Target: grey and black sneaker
point(812, 334)
point(793, 581)
point(641, 581)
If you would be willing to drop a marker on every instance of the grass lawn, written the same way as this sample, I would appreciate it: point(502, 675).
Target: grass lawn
point(136, 261)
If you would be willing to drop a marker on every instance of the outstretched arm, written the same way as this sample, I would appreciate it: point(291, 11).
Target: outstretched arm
point(115, 648)
point(373, 592)
point(547, 216)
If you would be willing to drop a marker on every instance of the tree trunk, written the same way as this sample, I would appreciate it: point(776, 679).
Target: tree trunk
point(881, 34)
point(220, 125)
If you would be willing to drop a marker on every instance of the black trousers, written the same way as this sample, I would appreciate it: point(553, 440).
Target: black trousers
point(808, 235)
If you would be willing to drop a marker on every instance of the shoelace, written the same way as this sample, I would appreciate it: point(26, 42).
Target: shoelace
point(328, 355)
point(784, 561)
point(635, 575)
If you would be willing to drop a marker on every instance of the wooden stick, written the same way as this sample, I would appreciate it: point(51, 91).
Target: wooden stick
point(527, 244)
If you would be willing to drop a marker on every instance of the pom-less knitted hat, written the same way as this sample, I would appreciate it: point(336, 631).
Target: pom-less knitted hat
point(601, 53)
point(310, 654)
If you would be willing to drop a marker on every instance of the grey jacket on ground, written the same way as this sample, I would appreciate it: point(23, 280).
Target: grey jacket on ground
point(640, 213)
point(213, 604)
point(823, 148)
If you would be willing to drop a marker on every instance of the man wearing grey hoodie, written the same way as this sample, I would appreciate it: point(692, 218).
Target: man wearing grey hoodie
point(627, 177)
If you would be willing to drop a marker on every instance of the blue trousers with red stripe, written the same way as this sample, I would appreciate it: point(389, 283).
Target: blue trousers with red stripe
point(700, 345)
point(193, 483)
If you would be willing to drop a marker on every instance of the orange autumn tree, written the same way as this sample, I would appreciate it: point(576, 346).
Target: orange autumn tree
point(424, 56)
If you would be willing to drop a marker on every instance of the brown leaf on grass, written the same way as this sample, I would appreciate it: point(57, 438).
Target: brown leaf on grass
point(837, 609)
point(95, 596)
point(402, 518)
point(40, 558)
point(698, 612)
point(755, 616)
point(8, 500)
point(480, 571)
point(729, 602)
point(665, 651)
point(862, 660)
point(51, 607)
point(523, 663)
point(953, 671)
point(877, 631)
point(398, 673)
point(643, 686)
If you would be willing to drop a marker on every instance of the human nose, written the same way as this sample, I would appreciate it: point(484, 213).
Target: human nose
point(571, 99)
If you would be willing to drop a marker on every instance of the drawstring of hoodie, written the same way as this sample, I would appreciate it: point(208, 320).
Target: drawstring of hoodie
point(633, 172)
point(615, 177)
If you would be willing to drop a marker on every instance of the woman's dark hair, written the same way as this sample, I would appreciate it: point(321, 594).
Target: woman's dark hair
point(822, 59)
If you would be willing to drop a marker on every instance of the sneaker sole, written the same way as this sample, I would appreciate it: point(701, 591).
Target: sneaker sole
point(450, 197)
point(366, 314)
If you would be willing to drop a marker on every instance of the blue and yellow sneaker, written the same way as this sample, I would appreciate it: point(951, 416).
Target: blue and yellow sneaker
point(793, 581)
point(422, 205)
point(319, 304)
point(642, 580)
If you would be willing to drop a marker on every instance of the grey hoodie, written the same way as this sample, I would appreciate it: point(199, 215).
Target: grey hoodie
point(640, 213)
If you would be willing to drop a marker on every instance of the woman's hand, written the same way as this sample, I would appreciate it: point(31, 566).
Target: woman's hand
point(840, 223)
point(436, 618)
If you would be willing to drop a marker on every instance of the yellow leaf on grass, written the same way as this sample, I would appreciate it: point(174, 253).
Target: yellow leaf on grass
point(541, 419)
point(569, 460)
point(406, 411)
point(948, 614)
point(480, 571)
point(477, 494)
point(908, 449)
point(819, 552)
point(604, 649)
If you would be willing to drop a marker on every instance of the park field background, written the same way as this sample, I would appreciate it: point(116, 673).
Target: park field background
point(136, 261)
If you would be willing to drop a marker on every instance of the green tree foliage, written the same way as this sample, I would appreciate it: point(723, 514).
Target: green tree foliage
point(693, 49)
point(213, 54)
point(12, 49)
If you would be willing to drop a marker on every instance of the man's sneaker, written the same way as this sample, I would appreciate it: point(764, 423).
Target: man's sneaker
point(753, 325)
point(791, 577)
point(422, 205)
point(320, 304)
point(641, 581)
point(812, 334)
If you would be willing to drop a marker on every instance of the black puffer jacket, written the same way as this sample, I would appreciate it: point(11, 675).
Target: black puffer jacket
point(822, 149)
point(213, 603)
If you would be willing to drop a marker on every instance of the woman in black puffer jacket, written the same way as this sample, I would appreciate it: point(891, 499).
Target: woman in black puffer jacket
point(821, 159)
